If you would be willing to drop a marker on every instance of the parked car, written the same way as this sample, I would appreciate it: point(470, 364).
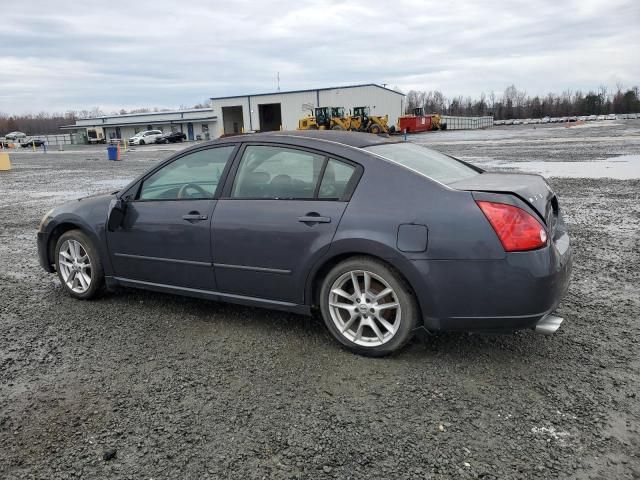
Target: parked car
point(146, 137)
point(601, 117)
point(29, 142)
point(611, 116)
point(15, 136)
point(299, 224)
point(171, 137)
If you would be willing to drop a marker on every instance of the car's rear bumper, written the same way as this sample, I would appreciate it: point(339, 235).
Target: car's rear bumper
point(495, 295)
point(43, 255)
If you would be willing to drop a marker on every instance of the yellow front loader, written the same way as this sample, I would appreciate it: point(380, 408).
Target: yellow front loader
point(325, 118)
point(363, 121)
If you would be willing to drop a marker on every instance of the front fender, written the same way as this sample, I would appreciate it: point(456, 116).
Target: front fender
point(69, 221)
point(89, 215)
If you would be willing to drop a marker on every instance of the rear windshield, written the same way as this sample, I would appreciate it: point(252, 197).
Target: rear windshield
point(425, 161)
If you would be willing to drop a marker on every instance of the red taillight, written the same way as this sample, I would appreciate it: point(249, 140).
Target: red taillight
point(516, 229)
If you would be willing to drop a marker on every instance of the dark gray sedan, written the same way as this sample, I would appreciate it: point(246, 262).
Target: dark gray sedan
point(381, 236)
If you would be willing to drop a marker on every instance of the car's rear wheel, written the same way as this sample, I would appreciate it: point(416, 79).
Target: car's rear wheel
point(78, 265)
point(368, 307)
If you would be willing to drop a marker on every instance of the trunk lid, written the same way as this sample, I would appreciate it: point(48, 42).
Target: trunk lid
point(532, 189)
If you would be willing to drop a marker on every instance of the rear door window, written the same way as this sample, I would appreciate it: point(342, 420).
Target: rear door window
point(336, 179)
point(274, 172)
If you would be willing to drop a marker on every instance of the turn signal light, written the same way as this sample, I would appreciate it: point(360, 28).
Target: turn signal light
point(517, 230)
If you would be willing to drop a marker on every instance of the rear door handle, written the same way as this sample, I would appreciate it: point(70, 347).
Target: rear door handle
point(314, 217)
point(194, 217)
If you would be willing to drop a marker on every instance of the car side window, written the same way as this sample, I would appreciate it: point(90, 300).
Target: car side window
point(194, 176)
point(335, 180)
point(274, 172)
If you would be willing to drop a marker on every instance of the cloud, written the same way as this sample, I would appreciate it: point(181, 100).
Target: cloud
point(133, 54)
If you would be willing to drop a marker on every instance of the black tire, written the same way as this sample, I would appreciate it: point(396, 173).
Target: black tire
point(141, 142)
point(409, 311)
point(375, 129)
point(96, 286)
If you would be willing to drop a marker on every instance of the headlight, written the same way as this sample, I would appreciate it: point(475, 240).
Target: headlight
point(45, 220)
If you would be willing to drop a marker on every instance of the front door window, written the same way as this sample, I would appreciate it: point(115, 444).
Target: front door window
point(194, 176)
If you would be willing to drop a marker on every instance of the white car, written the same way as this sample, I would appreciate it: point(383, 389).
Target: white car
point(601, 117)
point(611, 116)
point(19, 136)
point(146, 137)
point(591, 118)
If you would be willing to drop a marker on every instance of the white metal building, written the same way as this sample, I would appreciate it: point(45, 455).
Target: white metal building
point(194, 123)
point(282, 110)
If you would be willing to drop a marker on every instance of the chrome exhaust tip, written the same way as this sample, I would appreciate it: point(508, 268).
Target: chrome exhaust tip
point(548, 325)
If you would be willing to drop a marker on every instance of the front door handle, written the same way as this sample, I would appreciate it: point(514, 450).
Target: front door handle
point(194, 217)
point(314, 217)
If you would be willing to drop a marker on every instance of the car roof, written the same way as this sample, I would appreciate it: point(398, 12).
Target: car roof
point(352, 139)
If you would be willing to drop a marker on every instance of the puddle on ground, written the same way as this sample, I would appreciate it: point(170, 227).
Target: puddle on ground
point(625, 167)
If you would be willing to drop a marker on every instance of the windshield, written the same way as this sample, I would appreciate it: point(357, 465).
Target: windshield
point(425, 161)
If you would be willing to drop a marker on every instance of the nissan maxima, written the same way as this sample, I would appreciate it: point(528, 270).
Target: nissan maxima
point(379, 236)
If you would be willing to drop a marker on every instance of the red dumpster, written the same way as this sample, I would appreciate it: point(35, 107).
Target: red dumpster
point(414, 123)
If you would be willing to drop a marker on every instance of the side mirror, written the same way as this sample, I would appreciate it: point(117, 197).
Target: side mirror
point(117, 211)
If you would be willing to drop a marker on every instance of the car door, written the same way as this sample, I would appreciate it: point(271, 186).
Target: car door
point(165, 237)
point(278, 214)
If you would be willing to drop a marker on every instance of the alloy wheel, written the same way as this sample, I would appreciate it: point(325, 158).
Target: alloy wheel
point(364, 308)
point(75, 266)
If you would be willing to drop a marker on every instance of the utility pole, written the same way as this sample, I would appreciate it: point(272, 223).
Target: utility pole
point(278, 77)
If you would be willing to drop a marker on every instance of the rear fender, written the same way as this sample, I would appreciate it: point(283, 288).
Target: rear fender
point(342, 249)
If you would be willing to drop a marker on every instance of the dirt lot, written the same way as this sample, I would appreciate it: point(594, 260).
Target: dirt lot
point(182, 388)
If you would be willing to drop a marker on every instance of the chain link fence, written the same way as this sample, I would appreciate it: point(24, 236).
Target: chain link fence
point(466, 123)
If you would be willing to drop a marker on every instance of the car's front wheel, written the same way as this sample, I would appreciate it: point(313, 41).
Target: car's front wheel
point(368, 307)
point(141, 142)
point(78, 265)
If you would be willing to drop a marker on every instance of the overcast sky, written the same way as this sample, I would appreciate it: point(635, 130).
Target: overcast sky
point(161, 53)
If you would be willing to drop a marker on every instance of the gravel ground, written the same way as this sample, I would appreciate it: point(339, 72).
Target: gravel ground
point(146, 385)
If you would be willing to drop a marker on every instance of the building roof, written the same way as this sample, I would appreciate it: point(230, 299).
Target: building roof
point(166, 112)
point(150, 118)
point(145, 122)
point(309, 90)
